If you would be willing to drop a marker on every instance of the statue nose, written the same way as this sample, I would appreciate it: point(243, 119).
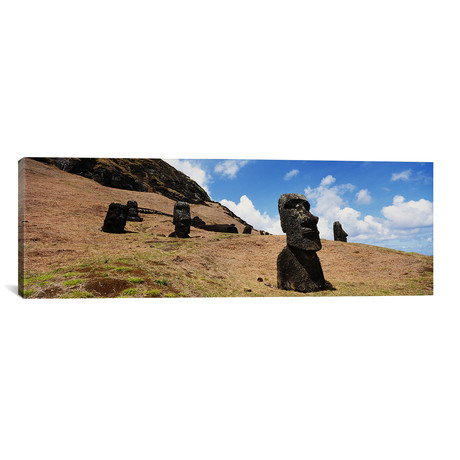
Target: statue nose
point(309, 220)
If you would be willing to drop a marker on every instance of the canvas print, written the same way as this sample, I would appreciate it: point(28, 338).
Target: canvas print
point(152, 228)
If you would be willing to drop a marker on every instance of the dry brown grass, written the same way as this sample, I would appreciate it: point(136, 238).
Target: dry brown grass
point(66, 254)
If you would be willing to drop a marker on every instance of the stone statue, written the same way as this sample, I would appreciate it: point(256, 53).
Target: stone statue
point(247, 229)
point(197, 222)
point(133, 212)
point(181, 220)
point(299, 268)
point(115, 219)
point(223, 228)
point(339, 232)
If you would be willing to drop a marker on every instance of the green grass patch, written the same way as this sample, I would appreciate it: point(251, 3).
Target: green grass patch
point(26, 292)
point(71, 274)
point(73, 282)
point(123, 259)
point(123, 269)
point(162, 282)
point(136, 280)
point(152, 293)
point(38, 278)
point(44, 283)
point(129, 292)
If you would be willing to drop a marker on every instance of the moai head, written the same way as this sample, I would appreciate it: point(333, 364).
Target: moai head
point(299, 224)
point(133, 211)
point(132, 204)
point(181, 218)
point(339, 232)
point(115, 219)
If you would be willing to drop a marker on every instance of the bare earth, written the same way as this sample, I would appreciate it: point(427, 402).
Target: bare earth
point(66, 255)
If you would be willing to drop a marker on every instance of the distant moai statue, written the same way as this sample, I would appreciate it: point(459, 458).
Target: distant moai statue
point(247, 229)
point(133, 212)
point(298, 265)
point(197, 222)
point(223, 228)
point(339, 232)
point(181, 220)
point(115, 219)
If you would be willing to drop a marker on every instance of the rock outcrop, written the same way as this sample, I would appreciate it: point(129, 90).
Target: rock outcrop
point(140, 174)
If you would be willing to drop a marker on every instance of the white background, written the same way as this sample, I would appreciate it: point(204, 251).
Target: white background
point(358, 378)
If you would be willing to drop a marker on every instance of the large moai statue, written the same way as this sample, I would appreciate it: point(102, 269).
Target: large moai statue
point(299, 268)
point(247, 229)
point(133, 213)
point(115, 219)
point(339, 232)
point(181, 220)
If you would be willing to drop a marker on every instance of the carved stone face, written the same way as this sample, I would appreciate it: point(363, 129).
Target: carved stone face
point(339, 232)
point(115, 219)
point(299, 224)
point(181, 218)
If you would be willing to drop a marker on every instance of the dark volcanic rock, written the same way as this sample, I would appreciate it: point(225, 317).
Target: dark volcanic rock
point(299, 224)
point(115, 219)
point(247, 229)
point(339, 232)
point(133, 215)
point(223, 228)
point(298, 266)
point(197, 222)
point(181, 220)
point(300, 270)
point(141, 174)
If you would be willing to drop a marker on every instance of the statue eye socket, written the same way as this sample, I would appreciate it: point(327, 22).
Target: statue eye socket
point(292, 204)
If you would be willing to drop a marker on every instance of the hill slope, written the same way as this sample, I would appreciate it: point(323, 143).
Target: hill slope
point(143, 175)
point(66, 255)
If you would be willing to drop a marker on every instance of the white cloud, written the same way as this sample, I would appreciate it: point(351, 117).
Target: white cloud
point(194, 170)
point(291, 174)
point(409, 214)
point(363, 196)
point(229, 167)
point(401, 220)
point(328, 180)
point(404, 175)
point(326, 202)
point(261, 221)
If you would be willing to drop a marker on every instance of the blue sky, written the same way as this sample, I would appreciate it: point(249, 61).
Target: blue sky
point(387, 204)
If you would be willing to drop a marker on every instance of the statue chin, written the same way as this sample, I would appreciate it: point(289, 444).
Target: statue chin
point(305, 244)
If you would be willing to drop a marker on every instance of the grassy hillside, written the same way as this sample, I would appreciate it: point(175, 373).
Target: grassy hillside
point(66, 255)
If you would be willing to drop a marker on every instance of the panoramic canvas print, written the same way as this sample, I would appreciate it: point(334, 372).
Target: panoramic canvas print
point(152, 228)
